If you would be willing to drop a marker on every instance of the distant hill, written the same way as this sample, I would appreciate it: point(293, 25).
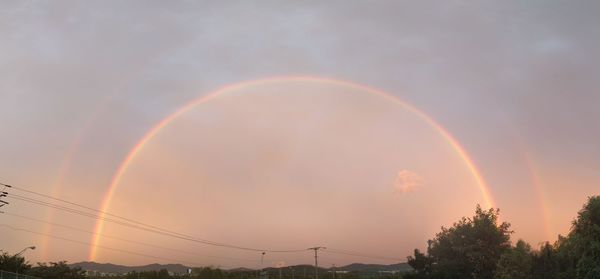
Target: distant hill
point(179, 268)
point(120, 269)
point(355, 267)
point(375, 267)
point(241, 269)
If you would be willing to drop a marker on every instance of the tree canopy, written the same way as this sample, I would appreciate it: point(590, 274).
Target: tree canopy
point(470, 248)
point(56, 270)
point(515, 263)
point(13, 263)
point(480, 247)
point(585, 238)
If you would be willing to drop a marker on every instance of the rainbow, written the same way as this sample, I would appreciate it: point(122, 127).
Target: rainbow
point(535, 180)
point(537, 186)
point(65, 167)
point(122, 169)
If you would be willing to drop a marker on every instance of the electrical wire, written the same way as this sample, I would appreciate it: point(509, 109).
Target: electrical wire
point(161, 232)
point(358, 254)
point(99, 246)
point(99, 215)
point(119, 238)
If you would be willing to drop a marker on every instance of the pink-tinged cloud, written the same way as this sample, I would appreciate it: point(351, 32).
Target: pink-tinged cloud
point(407, 181)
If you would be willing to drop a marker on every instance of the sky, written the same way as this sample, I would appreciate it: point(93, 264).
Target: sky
point(368, 152)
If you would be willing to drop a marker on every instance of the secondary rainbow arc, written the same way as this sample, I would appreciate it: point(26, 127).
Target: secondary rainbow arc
point(121, 170)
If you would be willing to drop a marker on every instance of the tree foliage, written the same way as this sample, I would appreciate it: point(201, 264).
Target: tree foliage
point(515, 263)
point(13, 263)
point(420, 262)
point(56, 270)
point(160, 274)
point(585, 237)
point(545, 262)
point(470, 248)
point(208, 273)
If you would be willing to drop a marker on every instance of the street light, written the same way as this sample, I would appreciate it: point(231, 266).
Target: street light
point(25, 249)
point(19, 254)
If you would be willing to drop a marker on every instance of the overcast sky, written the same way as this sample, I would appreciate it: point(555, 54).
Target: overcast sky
point(81, 82)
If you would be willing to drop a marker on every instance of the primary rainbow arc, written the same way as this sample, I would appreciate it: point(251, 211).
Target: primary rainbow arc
point(231, 87)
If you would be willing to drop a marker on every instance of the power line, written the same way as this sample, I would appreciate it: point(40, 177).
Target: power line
point(358, 254)
point(82, 206)
point(101, 215)
point(95, 210)
point(119, 238)
point(129, 222)
point(161, 232)
point(99, 246)
point(74, 211)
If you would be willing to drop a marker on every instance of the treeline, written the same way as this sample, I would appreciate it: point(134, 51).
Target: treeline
point(299, 272)
point(61, 270)
point(306, 272)
point(18, 265)
point(480, 247)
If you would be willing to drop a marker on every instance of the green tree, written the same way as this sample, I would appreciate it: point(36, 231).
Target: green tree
point(208, 273)
point(13, 263)
point(515, 263)
point(58, 270)
point(545, 262)
point(585, 235)
point(566, 257)
point(163, 274)
point(421, 263)
point(471, 248)
point(593, 274)
point(132, 275)
point(153, 274)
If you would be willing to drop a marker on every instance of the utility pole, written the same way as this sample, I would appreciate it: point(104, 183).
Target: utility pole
point(262, 272)
point(316, 249)
point(3, 193)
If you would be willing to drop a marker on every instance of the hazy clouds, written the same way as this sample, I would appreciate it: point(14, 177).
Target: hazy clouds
point(81, 82)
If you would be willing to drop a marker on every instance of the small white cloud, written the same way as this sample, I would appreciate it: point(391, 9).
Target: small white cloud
point(407, 181)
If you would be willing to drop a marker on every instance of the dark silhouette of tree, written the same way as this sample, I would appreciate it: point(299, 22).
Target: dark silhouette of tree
point(515, 263)
point(13, 263)
point(566, 257)
point(578, 254)
point(208, 273)
point(420, 262)
point(58, 270)
point(471, 248)
point(585, 237)
point(545, 262)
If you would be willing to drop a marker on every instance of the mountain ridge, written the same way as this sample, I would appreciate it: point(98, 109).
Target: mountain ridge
point(180, 269)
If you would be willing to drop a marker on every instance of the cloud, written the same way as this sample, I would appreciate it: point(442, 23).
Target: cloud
point(407, 181)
